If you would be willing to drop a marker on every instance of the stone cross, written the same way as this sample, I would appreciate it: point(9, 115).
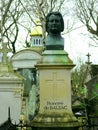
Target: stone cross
point(88, 60)
point(55, 83)
point(5, 50)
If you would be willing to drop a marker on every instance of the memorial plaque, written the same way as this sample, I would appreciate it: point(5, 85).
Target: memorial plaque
point(55, 91)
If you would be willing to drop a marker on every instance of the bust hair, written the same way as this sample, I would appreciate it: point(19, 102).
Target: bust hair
point(57, 14)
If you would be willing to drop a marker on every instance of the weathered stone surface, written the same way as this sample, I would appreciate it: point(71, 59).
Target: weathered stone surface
point(55, 91)
point(55, 57)
point(11, 87)
point(26, 58)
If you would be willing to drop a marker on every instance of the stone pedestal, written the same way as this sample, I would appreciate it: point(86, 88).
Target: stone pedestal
point(55, 92)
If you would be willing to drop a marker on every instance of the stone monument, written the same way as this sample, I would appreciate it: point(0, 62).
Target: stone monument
point(54, 81)
point(24, 62)
point(11, 89)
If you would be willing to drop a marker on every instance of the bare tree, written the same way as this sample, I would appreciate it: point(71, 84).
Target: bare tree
point(78, 80)
point(41, 8)
point(10, 16)
point(87, 12)
point(19, 14)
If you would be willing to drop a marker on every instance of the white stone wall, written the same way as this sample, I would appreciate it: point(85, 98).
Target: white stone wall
point(10, 97)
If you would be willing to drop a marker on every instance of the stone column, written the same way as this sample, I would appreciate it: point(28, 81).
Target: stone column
point(55, 110)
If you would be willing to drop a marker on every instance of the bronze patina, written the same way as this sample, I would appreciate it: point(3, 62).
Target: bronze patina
point(54, 27)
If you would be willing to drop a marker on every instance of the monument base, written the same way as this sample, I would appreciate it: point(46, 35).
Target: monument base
point(55, 93)
point(56, 128)
point(55, 122)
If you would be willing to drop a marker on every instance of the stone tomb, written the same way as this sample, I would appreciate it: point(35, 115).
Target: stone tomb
point(11, 88)
point(10, 96)
point(55, 92)
point(24, 62)
point(26, 58)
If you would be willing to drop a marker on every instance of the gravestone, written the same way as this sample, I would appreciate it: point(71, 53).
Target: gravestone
point(24, 62)
point(92, 95)
point(54, 83)
point(26, 58)
point(11, 87)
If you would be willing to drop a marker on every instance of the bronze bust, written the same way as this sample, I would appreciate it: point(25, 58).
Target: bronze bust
point(54, 27)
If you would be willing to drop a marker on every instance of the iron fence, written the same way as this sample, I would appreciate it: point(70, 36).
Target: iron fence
point(90, 123)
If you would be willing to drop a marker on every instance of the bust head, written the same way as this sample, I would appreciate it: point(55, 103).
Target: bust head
point(54, 23)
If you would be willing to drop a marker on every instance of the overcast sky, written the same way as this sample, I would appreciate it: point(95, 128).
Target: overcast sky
point(78, 44)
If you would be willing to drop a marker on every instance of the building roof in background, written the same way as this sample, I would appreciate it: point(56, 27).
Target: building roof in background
point(37, 31)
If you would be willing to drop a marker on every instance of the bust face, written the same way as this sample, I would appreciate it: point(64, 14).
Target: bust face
point(54, 24)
